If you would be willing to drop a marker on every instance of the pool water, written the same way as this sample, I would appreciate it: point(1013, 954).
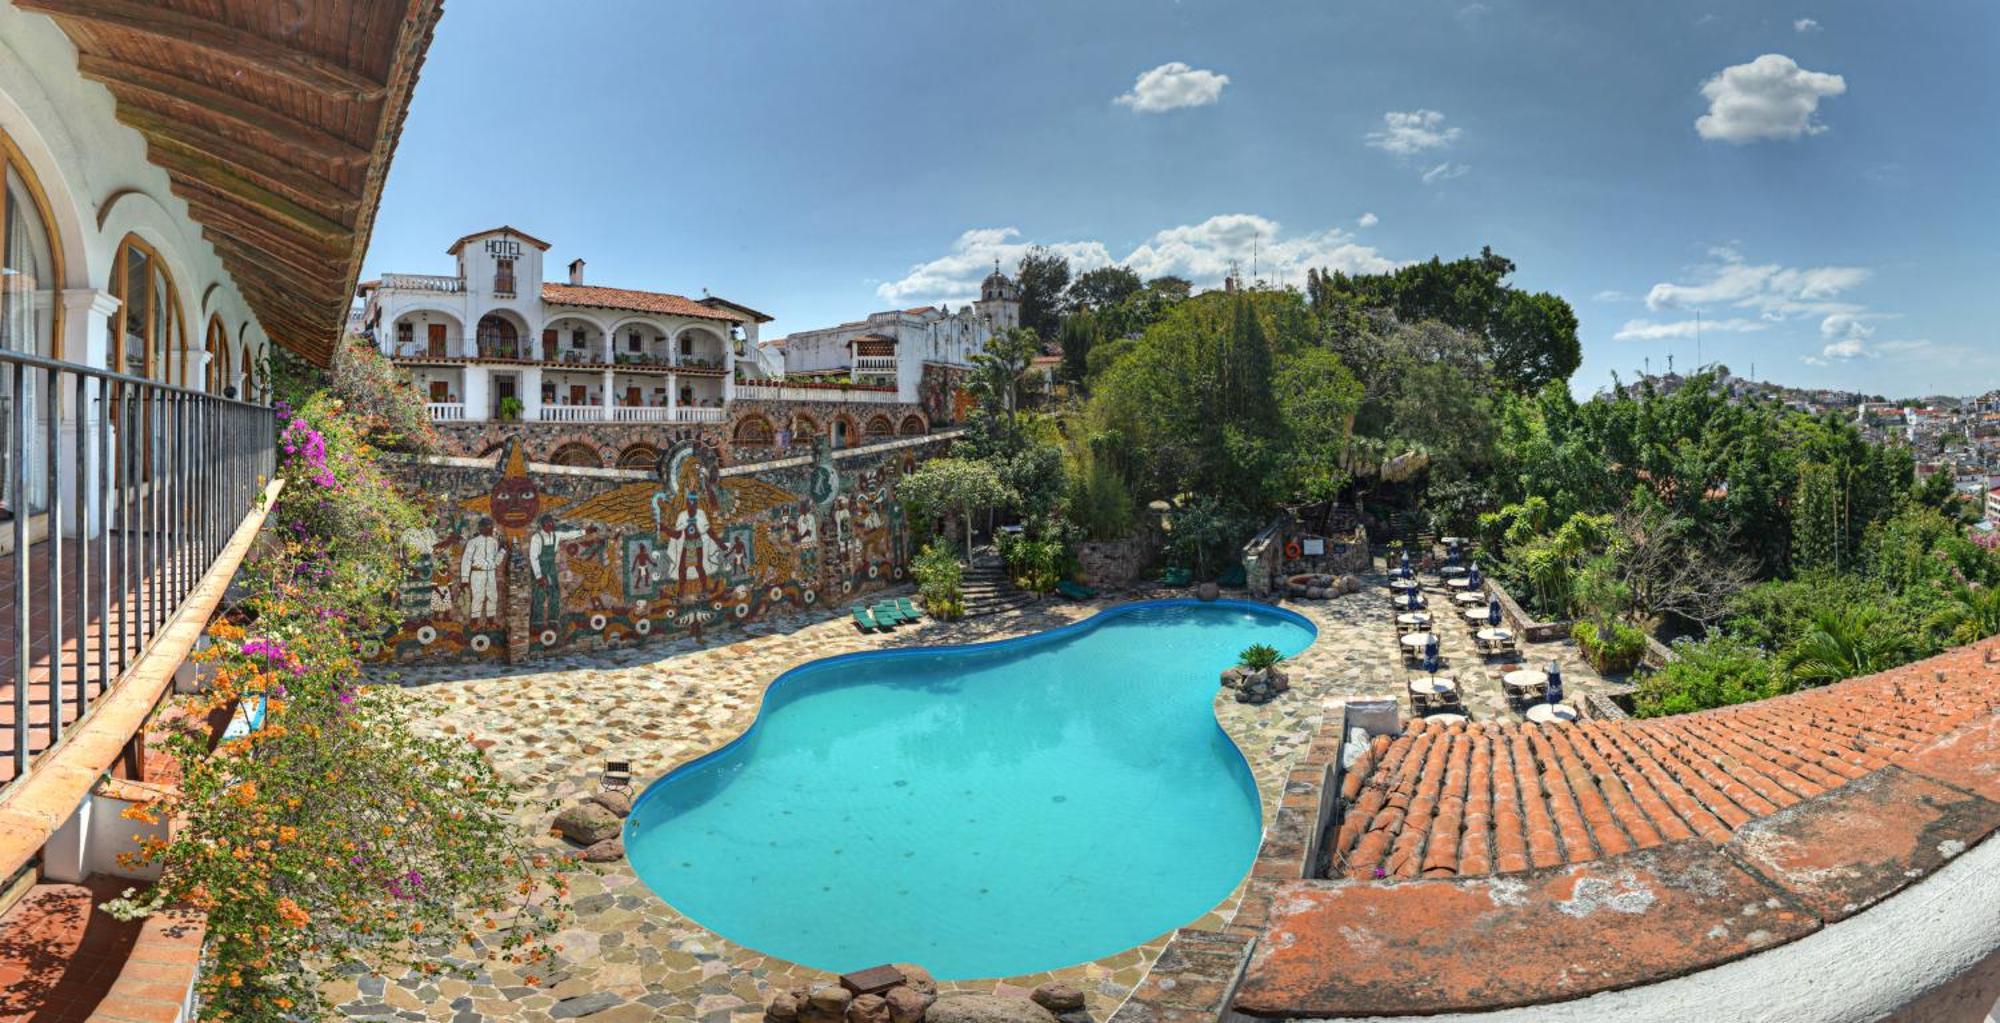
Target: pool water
point(983, 811)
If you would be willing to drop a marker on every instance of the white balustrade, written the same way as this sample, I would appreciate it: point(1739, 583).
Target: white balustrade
point(423, 282)
point(446, 411)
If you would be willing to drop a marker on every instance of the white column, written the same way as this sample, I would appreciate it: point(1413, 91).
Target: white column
point(673, 394)
point(86, 341)
point(609, 398)
point(478, 400)
point(531, 396)
point(194, 372)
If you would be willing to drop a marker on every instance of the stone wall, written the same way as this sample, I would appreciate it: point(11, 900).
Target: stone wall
point(521, 560)
point(1524, 627)
point(1115, 563)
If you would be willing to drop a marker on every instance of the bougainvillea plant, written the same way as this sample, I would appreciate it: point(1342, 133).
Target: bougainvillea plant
point(340, 832)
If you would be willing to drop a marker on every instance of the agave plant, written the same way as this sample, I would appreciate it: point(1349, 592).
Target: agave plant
point(1846, 642)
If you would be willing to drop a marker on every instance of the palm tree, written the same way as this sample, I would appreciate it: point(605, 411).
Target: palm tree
point(1847, 642)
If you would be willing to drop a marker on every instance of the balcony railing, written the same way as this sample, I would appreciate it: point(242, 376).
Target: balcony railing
point(446, 411)
point(121, 492)
point(875, 364)
point(630, 414)
point(423, 282)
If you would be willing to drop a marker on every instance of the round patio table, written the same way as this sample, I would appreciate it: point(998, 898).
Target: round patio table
point(1475, 615)
point(1526, 680)
point(1470, 598)
point(1494, 636)
point(1418, 640)
point(1433, 685)
point(1447, 719)
point(1407, 602)
point(1402, 584)
point(1415, 620)
point(1458, 582)
point(1451, 571)
point(1550, 713)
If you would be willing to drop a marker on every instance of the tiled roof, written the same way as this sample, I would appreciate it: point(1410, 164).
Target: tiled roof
point(635, 301)
point(1493, 865)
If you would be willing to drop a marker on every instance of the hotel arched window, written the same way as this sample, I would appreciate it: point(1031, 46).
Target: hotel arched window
point(217, 346)
point(30, 274)
point(497, 337)
point(146, 329)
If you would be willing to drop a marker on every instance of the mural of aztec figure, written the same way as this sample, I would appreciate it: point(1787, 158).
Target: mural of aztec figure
point(555, 560)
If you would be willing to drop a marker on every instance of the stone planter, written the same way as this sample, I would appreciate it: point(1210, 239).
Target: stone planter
point(1256, 685)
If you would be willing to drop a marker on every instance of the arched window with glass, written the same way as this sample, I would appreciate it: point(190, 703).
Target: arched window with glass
point(217, 375)
point(146, 330)
point(30, 272)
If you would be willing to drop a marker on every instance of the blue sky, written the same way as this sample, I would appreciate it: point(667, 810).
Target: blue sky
point(1831, 216)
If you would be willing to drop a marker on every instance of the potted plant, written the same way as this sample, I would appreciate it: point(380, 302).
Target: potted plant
point(1257, 677)
point(510, 409)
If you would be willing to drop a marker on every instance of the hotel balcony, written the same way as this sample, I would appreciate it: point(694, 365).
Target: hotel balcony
point(434, 283)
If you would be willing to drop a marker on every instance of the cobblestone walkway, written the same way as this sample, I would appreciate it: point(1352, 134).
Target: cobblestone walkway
point(629, 957)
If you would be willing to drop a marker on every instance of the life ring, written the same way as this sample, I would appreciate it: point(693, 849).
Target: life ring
point(1292, 549)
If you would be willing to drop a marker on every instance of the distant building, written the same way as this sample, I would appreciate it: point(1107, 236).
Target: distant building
point(891, 349)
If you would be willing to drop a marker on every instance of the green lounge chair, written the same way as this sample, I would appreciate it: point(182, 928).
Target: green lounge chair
point(862, 620)
point(1177, 576)
point(886, 613)
point(909, 610)
point(1075, 590)
point(1233, 577)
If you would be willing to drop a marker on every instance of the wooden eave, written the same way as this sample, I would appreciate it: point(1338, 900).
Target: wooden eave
point(275, 122)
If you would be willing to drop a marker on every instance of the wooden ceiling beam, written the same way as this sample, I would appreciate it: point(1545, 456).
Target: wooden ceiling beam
point(232, 46)
point(203, 147)
point(197, 173)
point(157, 90)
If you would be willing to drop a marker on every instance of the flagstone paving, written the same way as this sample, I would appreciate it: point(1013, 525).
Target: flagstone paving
point(628, 956)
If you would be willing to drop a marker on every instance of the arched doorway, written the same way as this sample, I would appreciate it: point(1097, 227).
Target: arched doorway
point(499, 337)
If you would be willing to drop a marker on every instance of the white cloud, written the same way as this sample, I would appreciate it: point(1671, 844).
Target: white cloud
point(1172, 86)
point(1369, 220)
point(1407, 133)
point(1471, 14)
point(1675, 330)
point(1769, 98)
point(1774, 292)
point(1444, 172)
point(1200, 252)
point(1804, 25)
point(1611, 295)
point(1846, 325)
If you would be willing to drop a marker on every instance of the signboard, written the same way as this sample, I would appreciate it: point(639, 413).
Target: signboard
point(1315, 547)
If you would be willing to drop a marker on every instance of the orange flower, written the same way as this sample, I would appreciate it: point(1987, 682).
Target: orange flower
point(290, 913)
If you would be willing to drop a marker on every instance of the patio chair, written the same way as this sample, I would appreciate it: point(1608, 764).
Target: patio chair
point(1177, 576)
point(887, 614)
point(1233, 577)
point(863, 620)
point(1074, 590)
point(908, 609)
point(617, 775)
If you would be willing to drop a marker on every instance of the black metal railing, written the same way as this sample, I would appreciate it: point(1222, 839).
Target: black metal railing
point(119, 493)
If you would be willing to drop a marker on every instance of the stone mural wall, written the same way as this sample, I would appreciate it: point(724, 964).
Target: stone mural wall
point(942, 391)
point(521, 561)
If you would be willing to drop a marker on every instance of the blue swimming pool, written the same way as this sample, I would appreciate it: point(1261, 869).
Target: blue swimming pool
point(983, 810)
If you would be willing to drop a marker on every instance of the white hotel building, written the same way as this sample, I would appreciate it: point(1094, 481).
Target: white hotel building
point(891, 348)
point(492, 341)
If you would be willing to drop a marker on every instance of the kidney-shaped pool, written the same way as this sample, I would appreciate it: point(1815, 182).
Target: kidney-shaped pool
point(984, 810)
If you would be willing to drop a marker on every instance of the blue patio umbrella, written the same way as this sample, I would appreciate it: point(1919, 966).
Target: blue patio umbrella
point(1417, 600)
point(1431, 661)
point(1473, 574)
point(1493, 612)
point(1555, 689)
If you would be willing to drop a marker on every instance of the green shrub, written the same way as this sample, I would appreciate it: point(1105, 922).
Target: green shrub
point(1258, 656)
point(1614, 649)
point(1714, 673)
point(940, 581)
point(1035, 563)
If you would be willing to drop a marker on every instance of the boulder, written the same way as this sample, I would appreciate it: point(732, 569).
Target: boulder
point(617, 801)
point(868, 1009)
point(827, 1004)
point(961, 1007)
point(919, 978)
point(1057, 997)
point(1350, 584)
point(784, 1008)
point(1207, 591)
point(588, 824)
point(1233, 677)
point(906, 1004)
point(604, 852)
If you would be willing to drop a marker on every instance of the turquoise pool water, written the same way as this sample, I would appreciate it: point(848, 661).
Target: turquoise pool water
point(983, 810)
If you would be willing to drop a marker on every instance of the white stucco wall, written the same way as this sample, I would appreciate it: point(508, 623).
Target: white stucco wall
point(91, 167)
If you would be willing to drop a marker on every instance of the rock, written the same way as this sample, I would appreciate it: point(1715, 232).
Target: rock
point(827, 1004)
point(784, 1008)
point(584, 1005)
point(906, 1004)
point(1057, 997)
point(1075, 1016)
point(918, 978)
point(1350, 584)
point(868, 1009)
point(970, 1008)
point(1208, 591)
point(617, 801)
point(604, 852)
point(588, 824)
point(1233, 678)
point(1316, 593)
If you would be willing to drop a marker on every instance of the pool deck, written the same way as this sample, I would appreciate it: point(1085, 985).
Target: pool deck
point(628, 956)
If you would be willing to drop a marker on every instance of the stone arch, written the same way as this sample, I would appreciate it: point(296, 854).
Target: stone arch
point(804, 426)
point(912, 426)
point(639, 456)
point(502, 334)
point(700, 341)
point(842, 432)
point(419, 318)
point(578, 454)
point(559, 328)
point(878, 427)
point(753, 430)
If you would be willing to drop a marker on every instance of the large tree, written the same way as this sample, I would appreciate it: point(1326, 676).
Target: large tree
point(1103, 287)
point(1077, 337)
point(1044, 279)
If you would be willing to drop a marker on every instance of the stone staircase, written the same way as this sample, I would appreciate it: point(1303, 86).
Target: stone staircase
point(987, 588)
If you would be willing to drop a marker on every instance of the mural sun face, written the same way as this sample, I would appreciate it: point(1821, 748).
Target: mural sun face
point(515, 502)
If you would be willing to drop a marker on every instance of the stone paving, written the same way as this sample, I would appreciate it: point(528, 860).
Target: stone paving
point(628, 956)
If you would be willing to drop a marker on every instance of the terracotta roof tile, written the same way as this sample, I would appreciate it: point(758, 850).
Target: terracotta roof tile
point(635, 301)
